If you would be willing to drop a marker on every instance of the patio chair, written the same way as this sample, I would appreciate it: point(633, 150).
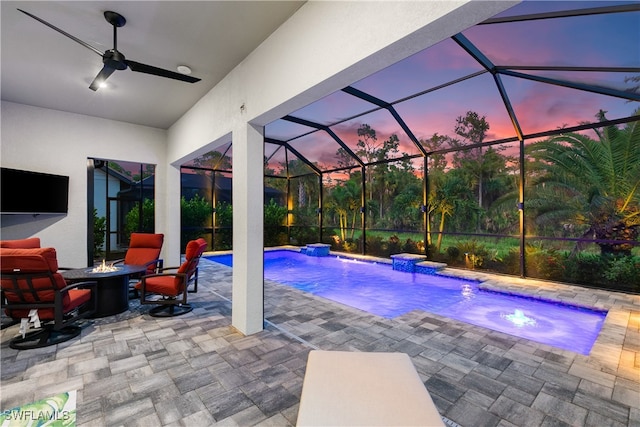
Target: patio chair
point(169, 290)
point(31, 242)
point(144, 249)
point(33, 290)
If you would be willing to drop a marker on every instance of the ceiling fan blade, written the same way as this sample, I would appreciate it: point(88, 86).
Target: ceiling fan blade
point(149, 69)
point(101, 77)
point(88, 46)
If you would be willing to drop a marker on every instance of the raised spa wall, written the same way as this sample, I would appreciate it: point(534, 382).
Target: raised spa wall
point(316, 249)
point(409, 263)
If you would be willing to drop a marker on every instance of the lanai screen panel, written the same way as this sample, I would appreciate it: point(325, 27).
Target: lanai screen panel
point(611, 39)
point(318, 148)
point(275, 160)
point(386, 129)
point(219, 159)
point(611, 80)
point(542, 107)
point(284, 130)
point(333, 108)
point(436, 112)
point(428, 69)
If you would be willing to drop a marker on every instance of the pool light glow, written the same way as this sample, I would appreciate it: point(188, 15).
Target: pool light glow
point(519, 319)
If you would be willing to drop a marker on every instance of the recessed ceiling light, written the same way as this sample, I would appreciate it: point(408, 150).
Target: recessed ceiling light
point(183, 69)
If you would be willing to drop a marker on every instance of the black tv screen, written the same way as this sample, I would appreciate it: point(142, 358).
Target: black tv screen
point(26, 192)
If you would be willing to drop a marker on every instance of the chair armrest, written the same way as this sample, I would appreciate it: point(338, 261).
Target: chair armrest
point(147, 276)
point(60, 320)
point(87, 284)
point(166, 269)
point(159, 262)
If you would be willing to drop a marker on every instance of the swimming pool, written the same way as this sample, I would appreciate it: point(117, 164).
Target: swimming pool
point(378, 289)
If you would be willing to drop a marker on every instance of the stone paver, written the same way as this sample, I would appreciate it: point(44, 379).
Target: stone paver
point(132, 369)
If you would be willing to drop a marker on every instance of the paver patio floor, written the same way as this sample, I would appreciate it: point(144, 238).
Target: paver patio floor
point(196, 370)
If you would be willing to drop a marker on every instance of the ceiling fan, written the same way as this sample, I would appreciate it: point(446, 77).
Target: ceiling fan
point(113, 59)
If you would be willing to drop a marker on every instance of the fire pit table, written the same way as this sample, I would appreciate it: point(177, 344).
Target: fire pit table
point(113, 286)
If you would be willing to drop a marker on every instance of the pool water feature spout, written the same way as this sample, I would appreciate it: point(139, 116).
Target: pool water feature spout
point(519, 319)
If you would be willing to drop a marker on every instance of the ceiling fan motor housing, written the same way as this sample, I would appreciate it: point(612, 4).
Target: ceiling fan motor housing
point(114, 59)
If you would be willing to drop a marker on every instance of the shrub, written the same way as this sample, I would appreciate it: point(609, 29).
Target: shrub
point(474, 253)
point(223, 237)
point(133, 222)
point(393, 246)
point(586, 269)
point(453, 253)
point(374, 246)
point(511, 262)
point(304, 235)
point(350, 246)
point(224, 214)
point(410, 247)
point(624, 273)
point(99, 233)
point(543, 263)
point(195, 213)
point(275, 233)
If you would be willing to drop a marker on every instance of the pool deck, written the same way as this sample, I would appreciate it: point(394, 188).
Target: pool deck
point(135, 370)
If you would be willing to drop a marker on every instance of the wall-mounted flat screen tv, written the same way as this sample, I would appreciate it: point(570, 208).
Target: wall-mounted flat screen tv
point(27, 192)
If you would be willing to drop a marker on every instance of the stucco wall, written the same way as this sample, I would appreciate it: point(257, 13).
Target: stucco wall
point(56, 142)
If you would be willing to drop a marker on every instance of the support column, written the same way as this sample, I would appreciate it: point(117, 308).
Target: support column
point(523, 231)
point(320, 207)
point(363, 210)
point(424, 209)
point(167, 190)
point(248, 222)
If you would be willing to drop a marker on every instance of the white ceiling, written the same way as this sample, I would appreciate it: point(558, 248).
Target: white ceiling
point(43, 68)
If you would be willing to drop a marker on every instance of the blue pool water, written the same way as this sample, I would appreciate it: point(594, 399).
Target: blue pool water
point(378, 289)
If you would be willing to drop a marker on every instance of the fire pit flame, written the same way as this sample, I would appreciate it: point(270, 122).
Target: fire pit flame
point(104, 268)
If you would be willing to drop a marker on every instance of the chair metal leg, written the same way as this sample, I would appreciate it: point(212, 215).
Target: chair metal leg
point(44, 337)
point(170, 310)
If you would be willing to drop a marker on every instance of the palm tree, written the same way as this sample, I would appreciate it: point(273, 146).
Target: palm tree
point(345, 199)
point(590, 183)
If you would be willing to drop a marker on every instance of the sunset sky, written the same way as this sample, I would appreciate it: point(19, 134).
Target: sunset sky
point(609, 40)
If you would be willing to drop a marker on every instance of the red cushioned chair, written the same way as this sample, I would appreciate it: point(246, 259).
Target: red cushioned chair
point(31, 242)
point(169, 290)
point(29, 280)
point(144, 249)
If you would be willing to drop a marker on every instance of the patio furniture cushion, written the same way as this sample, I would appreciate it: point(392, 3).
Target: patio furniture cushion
point(144, 249)
point(164, 285)
point(194, 250)
point(31, 242)
point(29, 260)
